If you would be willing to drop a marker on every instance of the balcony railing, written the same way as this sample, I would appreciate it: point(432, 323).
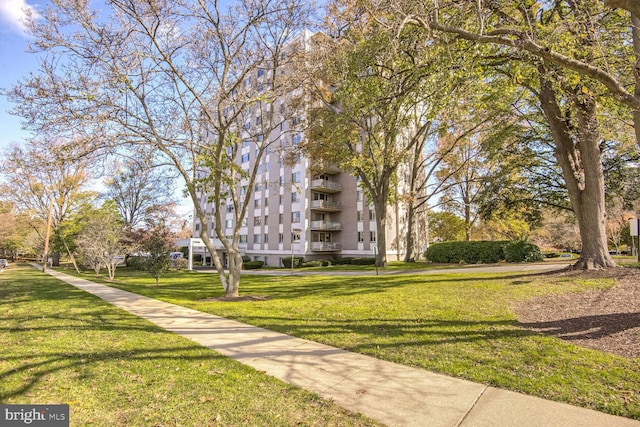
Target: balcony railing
point(326, 246)
point(326, 205)
point(326, 186)
point(325, 225)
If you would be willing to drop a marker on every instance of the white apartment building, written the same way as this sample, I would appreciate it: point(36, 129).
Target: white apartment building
point(296, 208)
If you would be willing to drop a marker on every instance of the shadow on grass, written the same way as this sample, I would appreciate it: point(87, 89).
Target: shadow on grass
point(33, 368)
point(585, 327)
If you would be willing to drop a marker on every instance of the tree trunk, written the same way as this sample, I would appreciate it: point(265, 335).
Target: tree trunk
point(410, 241)
point(582, 170)
point(380, 205)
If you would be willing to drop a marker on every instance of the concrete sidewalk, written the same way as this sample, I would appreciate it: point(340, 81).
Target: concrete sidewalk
point(393, 394)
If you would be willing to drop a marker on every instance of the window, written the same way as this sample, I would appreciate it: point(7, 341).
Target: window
point(360, 218)
point(260, 72)
point(243, 238)
point(295, 236)
point(258, 187)
point(295, 177)
point(281, 181)
point(280, 218)
point(372, 214)
point(280, 199)
point(266, 218)
point(256, 238)
point(229, 208)
point(257, 220)
point(360, 236)
point(296, 139)
point(295, 216)
point(243, 190)
point(245, 158)
point(280, 238)
point(244, 222)
point(359, 196)
point(372, 236)
point(296, 120)
point(259, 119)
point(294, 197)
point(257, 204)
point(229, 223)
point(247, 125)
point(246, 143)
point(197, 227)
point(266, 238)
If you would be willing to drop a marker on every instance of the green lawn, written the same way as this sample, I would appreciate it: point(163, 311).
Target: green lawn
point(457, 324)
point(61, 345)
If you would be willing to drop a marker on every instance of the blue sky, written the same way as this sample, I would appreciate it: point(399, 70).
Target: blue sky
point(15, 63)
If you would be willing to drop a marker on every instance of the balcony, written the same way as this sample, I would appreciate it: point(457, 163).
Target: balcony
point(325, 226)
point(326, 186)
point(326, 168)
point(326, 246)
point(326, 205)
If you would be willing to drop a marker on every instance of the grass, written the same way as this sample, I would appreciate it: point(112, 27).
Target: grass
point(458, 324)
point(61, 345)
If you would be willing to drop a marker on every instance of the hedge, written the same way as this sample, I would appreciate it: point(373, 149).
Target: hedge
point(363, 261)
point(252, 265)
point(298, 260)
point(484, 252)
point(522, 252)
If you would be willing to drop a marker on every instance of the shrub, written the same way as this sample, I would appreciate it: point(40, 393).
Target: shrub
point(343, 261)
point(312, 263)
point(363, 261)
point(252, 265)
point(522, 252)
point(137, 262)
point(246, 258)
point(486, 252)
point(297, 261)
point(179, 264)
point(325, 262)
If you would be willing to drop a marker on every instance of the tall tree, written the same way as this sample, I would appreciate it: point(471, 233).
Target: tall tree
point(42, 177)
point(171, 77)
point(385, 99)
point(141, 192)
point(576, 50)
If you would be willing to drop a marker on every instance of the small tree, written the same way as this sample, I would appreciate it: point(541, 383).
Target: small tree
point(158, 244)
point(99, 242)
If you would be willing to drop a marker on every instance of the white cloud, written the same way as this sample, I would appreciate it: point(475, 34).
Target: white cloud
point(13, 14)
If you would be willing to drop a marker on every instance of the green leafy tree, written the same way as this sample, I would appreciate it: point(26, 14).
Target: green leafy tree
point(387, 94)
point(157, 246)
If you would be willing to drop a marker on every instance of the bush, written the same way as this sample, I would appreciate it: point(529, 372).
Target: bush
point(343, 261)
point(485, 252)
point(246, 258)
point(325, 262)
point(137, 262)
point(313, 263)
point(179, 264)
point(363, 261)
point(252, 265)
point(297, 261)
point(522, 252)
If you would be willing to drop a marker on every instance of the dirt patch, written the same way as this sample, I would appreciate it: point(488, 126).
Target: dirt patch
point(605, 320)
point(238, 299)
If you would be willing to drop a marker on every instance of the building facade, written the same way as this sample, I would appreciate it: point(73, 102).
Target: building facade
point(296, 208)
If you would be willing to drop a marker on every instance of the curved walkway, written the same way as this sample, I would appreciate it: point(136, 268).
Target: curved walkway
point(394, 394)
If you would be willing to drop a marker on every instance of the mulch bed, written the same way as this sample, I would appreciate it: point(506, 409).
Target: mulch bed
point(605, 320)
